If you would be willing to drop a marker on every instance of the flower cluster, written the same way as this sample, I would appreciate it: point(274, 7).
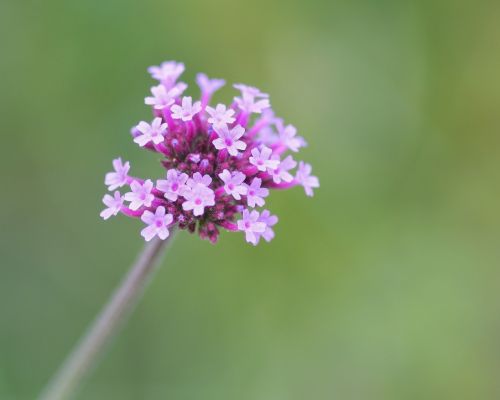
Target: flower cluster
point(220, 162)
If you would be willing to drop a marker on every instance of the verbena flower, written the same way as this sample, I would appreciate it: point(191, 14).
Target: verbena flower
point(220, 162)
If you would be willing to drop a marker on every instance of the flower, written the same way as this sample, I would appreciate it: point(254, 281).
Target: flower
point(141, 195)
point(255, 194)
point(228, 139)
point(174, 185)
point(220, 115)
point(280, 173)
point(305, 179)
point(251, 226)
point(198, 195)
point(288, 137)
point(150, 133)
point(233, 183)
point(187, 111)
point(114, 204)
point(162, 98)
point(270, 221)
point(209, 86)
point(117, 179)
point(220, 162)
point(261, 159)
point(157, 224)
point(168, 72)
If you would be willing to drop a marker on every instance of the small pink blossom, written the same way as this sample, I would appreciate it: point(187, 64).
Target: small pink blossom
point(220, 115)
point(281, 173)
point(229, 139)
point(270, 221)
point(305, 178)
point(255, 193)
point(140, 195)
point(249, 91)
point(209, 86)
point(118, 178)
point(157, 224)
point(250, 105)
point(174, 185)
point(114, 204)
point(150, 133)
point(233, 183)
point(198, 195)
point(261, 159)
point(167, 73)
point(187, 111)
point(251, 226)
point(288, 137)
point(162, 98)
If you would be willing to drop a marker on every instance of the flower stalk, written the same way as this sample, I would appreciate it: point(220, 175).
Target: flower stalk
point(107, 324)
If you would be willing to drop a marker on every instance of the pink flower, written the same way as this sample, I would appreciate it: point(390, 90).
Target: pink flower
point(305, 178)
point(249, 91)
point(187, 111)
point(168, 71)
point(228, 139)
point(251, 226)
point(256, 194)
point(281, 172)
point(162, 98)
point(114, 204)
point(198, 195)
point(150, 133)
point(157, 224)
point(220, 115)
point(261, 159)
point(250, 105)
point(140, 195)
point(270, 221)
point(218, 161)
point(118, 178)
point(174, 185)
point(233, 183)
point(209, 86)
point(288, 137)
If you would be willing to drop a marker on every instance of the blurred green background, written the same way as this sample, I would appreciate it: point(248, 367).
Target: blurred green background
point(385, 285)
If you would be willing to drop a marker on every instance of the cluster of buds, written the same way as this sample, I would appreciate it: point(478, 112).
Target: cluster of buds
point(221, 162)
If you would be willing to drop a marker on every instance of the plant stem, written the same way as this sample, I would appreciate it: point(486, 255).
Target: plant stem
point(107, 324)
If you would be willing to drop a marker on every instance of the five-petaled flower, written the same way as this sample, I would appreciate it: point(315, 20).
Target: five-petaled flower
point(157, 224)
point(141, 195)
point(150, 133)
point(229, 139)
point(219, 162)
point(119, 177)
point(251, 225)
point(187, 111)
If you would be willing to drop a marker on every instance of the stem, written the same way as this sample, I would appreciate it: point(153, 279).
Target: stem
point(107, 324)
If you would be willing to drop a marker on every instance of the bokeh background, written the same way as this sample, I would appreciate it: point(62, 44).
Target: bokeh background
point(385, 285)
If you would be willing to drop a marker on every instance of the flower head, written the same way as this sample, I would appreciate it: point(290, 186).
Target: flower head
point(157, 224)
point(220, 162)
